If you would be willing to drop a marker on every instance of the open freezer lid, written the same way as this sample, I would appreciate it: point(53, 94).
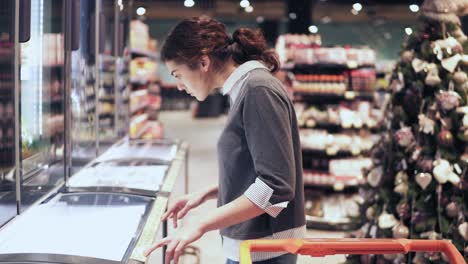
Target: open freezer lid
point(144, 150)
point(75, 228)
point(146, 179)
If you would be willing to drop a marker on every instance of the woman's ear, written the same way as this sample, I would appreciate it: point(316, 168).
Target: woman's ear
point(205, 63)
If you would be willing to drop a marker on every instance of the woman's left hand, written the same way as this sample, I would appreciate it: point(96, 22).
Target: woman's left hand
point(177, 242)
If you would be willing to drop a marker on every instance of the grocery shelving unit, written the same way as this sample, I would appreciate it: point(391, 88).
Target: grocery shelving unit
point(333, 92)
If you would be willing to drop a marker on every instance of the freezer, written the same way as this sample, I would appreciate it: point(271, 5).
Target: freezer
point(163, 151)
point(76, 228)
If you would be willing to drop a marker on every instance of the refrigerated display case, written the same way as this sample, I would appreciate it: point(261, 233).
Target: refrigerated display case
point(42, 102)
point(7, 113)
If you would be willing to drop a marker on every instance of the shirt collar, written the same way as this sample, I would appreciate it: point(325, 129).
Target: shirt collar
point(240, 72)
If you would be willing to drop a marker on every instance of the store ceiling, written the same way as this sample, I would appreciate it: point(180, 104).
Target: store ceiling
point(338, 11)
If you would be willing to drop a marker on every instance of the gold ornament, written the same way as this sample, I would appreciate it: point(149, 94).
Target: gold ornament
point(463, 230)
point(400, 231)
point(441, 10)
point(432, 78)
point(452, 209)
point(387, 220)
point(423, 179)
point(460, 77)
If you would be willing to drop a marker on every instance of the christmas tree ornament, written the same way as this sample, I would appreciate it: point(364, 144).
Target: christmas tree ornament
point(401, 188)
point(419, 65)
point(460, 77)
point(448, 100)
point(425, 164)
point(443, 172)
point(387, 220)
point(459, 35)
point(432, 78)
point(375, 176)
point(451, 63)
point(403, 210)
point(401, 177)
point(416, 153)
point(423, 179)
point(452, 209)
point(400, 231)
point(464, 60)
point(419, 258)
point(431, 235)
point(445, 138)
point(426, 125)
point(463, 230)
point(434, 256)
point(397, 83)
point(370, 213)
point(441, 10)
point(407, 56)
point(404, 137)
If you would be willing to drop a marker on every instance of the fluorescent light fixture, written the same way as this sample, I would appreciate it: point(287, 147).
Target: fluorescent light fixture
point(414, 8)
point(141, 11)
point(249, 9)
point(408, 31)
point(189, 3)
point(313, 29)
point(357, 6)
point(244, 3)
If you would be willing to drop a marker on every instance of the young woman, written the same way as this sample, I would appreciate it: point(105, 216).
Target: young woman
point(260, 190)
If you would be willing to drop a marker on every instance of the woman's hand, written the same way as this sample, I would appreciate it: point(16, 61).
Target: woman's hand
point(177, 242)
point(184, 204)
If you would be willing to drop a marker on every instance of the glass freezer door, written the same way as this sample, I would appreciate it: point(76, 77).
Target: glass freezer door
point(42, 101)
point(7, 114)
point(83, 94)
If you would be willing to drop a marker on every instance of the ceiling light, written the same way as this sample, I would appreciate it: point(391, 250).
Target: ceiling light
point(408, 31)
point(387, 35)
point(189, 3)
point(313, 29)
point(292, 16)
point(260, 19)
point(326, 19)
point(244, 3)
point(141, 11)
point(249, 9)
point(357, 7)
point(414, 8)
point(355, 12)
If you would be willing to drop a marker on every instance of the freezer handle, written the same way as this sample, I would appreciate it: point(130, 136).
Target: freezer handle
point(324, 247)
point(25, 20)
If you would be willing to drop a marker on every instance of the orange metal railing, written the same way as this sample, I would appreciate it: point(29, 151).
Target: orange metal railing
point(324, 247)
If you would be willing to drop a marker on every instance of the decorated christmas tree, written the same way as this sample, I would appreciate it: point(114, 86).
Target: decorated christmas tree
point(418, 185)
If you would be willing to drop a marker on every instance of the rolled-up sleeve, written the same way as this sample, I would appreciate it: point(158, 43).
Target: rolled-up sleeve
point(267, 126)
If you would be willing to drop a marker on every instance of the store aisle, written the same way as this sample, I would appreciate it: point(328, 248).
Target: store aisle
point(202, 135)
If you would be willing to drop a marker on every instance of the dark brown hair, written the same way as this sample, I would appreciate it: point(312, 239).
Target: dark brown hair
point(192, 38)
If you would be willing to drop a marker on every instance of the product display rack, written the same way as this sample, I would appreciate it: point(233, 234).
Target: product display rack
point(333, 92)
point(145, 93)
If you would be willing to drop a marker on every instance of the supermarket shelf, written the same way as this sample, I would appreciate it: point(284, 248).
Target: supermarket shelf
point(327, 181)
point(343, 224)
point(138, 108)
point(323, 66)
point(332, 127)
point(321, 98)
point(144, 53)
point(327, 154)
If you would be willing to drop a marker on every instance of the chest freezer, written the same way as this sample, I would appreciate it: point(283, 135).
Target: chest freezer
point(76, 228)
point(161, 151)
point(108, 177)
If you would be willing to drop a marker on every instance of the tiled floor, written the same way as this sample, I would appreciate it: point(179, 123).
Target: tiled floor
point(202, 135)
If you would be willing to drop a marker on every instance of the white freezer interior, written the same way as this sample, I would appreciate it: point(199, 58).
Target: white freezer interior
point(136, 177)
point(89, 225)
point(130, 150)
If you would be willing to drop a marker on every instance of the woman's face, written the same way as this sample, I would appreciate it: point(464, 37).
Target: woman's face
point(193, 81)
